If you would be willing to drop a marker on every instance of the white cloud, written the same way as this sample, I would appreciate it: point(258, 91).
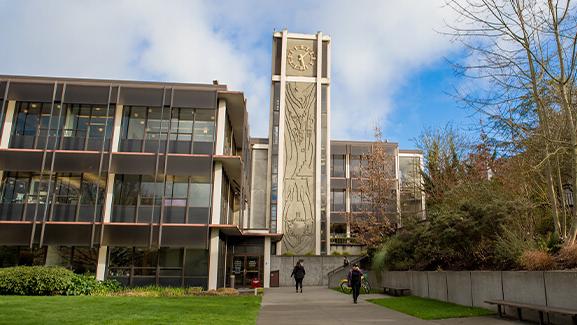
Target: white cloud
point(376, 45)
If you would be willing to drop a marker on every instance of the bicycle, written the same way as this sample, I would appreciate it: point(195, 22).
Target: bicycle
point(365, 286)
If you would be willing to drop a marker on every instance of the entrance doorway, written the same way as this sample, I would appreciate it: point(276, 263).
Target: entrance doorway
point(245, 268)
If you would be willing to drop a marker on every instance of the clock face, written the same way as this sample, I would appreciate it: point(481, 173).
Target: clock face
point(301, 57)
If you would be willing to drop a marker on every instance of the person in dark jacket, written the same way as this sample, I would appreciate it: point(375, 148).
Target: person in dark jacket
point(299, 275)
point(355, 275)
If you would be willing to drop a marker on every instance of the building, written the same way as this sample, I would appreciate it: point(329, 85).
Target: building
point(160, 183)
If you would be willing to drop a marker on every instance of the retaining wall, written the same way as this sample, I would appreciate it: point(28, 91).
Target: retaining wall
point(472, 288)
point(316, 267)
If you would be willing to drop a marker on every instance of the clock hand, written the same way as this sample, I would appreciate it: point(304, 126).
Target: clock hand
point(302, 60)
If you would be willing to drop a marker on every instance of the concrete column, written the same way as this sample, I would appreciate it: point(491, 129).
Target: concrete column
point(53, 257)
point(108, 197)
point(328, 149)
point(7, 130)
point(103, 250)
point(266, 277)
point(213, 260)
point(318, 145)
point(281, 144)
point(220, 127)
point(216, 193)
point(116, 129)
point(101, 266)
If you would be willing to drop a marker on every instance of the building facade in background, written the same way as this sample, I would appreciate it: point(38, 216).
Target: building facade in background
point(160, 183)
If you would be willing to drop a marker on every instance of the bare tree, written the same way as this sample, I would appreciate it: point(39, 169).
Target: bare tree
point(525, 52)
point(377, 213)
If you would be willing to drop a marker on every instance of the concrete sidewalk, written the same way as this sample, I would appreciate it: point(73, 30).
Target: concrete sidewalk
point(319, 305)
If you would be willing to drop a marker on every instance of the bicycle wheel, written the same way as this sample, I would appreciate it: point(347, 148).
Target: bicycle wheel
point(345, 287)
point(366, 286)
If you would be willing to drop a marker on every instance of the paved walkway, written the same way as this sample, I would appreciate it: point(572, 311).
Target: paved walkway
point(319, 305)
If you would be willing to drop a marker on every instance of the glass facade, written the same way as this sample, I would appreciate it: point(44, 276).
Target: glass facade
point(175, 199)
point(338, 201)
point(324, 137)
point(405, 199)
point(338, 165)
point(135, 266)
point(148, 129)
point(274, 156)
point(73, 197)
point(67, 127)
point(410, 184)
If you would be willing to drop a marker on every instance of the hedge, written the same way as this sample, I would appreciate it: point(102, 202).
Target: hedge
point(50, 281)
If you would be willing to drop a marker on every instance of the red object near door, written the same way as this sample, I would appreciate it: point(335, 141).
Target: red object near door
point(255, 283)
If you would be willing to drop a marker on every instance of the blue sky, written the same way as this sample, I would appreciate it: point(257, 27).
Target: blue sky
point(389, 66)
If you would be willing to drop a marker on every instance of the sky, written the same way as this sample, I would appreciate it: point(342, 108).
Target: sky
point(391, 63)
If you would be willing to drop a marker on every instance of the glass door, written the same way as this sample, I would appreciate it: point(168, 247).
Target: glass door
point(252, 264)
point(245, 268)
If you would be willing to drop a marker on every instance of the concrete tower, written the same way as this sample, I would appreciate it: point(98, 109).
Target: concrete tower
point(299, 132)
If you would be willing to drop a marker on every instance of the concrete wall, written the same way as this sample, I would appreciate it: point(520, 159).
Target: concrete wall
point(472, 288)
point(316, 267)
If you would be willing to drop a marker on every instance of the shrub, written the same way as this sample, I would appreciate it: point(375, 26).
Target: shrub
point(50, 281)
point(36, 281)
point(152, 291)
point(82, 285)
point(537, 260)
point(221, 292)
point(156, 291)
point(509, 247)
point(567, 256)
point(193, 291)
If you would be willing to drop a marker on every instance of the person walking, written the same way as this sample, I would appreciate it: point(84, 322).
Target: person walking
point(299, 275)
point(346, 261)
point(355, 275)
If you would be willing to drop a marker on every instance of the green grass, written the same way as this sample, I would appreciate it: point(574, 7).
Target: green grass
point(128, 310)
point(362, 291)
point(428, 308)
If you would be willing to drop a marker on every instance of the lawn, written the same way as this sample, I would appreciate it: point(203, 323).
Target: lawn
point(128, 310)
point(428, 308)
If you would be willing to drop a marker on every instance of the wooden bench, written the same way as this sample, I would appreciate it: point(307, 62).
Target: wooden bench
point(394, 291)
point(539, 308)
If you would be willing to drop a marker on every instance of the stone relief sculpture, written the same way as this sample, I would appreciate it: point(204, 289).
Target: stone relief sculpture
point(299, 165)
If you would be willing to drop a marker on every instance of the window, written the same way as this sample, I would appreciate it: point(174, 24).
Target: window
point(355, 166)
point(182, 124)
point(174, 193)
point(338, 201)
point(358, 202)
point(36, 125)
point(199, 195)
point(87, 121)
point(73, 196)
point(204, 126)
point(338, 166)
point(134, 122)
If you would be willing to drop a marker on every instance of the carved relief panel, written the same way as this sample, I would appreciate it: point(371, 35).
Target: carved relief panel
point(298, 213)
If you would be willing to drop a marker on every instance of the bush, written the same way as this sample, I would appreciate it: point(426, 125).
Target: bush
point(567, 256)
point(156, 291)
point(36, 281)
point(50, 281)
point(537, 260)
point(221, 292)
point(509, 247)
point(82, 285)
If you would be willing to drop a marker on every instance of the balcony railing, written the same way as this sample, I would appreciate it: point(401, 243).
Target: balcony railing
point(25, 211)
point(342, 239)
point(149, 213)
point(65, 139)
